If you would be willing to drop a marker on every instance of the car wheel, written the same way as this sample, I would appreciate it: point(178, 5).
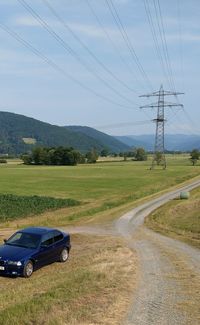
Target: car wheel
point(28, 269)
point(64, 255)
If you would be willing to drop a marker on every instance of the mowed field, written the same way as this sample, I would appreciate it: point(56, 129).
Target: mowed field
point(179, 219)
point(100, 188)
point(95, 181)
point(96, 284)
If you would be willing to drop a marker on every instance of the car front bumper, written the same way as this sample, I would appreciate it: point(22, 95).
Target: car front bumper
point(11, 270)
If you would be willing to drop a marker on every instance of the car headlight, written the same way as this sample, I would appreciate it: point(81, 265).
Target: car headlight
point(17, 263)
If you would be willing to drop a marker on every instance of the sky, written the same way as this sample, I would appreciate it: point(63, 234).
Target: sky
point(75, 62)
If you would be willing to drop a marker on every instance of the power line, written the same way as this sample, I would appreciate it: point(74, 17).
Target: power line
point(155, 39)
point(127, 41)
point(119, 125)
point(91, 53)
point(183, 127)
point(111, 42)
point(57, 68)
point(69, 49)
point(179, 20)
point(193, 123)
point(163, 41)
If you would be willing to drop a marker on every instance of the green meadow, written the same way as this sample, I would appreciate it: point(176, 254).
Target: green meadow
point(98, 187)
point(92, 182)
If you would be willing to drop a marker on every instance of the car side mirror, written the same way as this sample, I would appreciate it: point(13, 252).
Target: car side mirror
point(5, 240)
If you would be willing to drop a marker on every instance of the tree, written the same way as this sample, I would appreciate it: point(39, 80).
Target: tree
point(140, 154)
point(39, 156)
point(130, 154)
point(194, 156)
point(27, 159)
point(92, 156)
point(125, 156)
point(104, 152)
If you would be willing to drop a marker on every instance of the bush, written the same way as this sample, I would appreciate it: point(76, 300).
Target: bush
point(92, 156)
point(141, 154)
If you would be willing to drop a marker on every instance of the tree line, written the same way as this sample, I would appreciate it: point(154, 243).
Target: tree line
point(70, 156)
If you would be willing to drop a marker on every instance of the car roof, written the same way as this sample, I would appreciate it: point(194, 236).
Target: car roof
point(37, 230)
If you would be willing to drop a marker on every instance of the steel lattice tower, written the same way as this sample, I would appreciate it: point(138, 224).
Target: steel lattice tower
point(159, 147)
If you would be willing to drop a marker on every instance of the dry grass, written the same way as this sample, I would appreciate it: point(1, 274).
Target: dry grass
point(179, 219)
point(92, 288)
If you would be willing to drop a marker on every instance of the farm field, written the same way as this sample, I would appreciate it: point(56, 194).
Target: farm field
point(179, 219)
point(99, 270)
point(18, 206)
point(100, 188)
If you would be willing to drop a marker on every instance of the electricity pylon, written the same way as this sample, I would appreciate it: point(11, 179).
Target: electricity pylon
point(159, 147)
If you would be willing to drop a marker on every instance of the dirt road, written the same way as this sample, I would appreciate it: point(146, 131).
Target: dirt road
point(168, 290)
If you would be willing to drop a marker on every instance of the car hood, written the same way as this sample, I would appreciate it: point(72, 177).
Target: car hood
point(8, 252)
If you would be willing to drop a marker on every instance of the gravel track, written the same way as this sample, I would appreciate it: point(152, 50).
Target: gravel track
point(169, 269)
point(163, 288)
point(156, 295)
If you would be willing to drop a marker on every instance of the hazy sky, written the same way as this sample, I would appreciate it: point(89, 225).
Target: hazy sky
point(97, 82)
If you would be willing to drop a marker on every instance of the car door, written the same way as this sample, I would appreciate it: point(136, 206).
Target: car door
point(58, 244)
point(46, 251)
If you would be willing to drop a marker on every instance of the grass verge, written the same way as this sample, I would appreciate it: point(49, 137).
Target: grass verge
point(179, 219)
point(93, 287)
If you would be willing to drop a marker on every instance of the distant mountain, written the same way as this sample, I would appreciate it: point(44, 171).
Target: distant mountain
point(173, 142)
point(137, 141)
point(19, 134)
point(109, 142)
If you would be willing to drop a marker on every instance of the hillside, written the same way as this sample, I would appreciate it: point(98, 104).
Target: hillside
point(110, 142)
point(173, 142)
point(19, 134)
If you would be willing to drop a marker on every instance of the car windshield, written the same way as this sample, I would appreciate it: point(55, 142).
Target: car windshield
point(23, 239)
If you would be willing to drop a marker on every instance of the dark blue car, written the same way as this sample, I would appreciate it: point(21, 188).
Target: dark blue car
point(32, 248)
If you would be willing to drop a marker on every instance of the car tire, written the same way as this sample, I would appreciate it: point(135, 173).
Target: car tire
point(64, 255)
point(28, 269)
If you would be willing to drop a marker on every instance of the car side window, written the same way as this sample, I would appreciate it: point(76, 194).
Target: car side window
point(57, 236)
point(47, 239)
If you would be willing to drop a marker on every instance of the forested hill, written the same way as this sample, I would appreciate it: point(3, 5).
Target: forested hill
point(20, 134)
point(109, 141)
